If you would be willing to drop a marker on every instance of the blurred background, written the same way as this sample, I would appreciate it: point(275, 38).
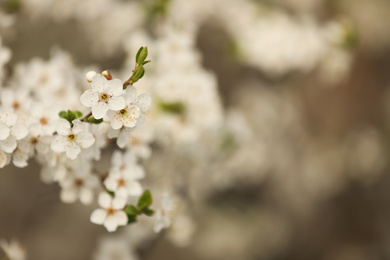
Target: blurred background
point(270, 125)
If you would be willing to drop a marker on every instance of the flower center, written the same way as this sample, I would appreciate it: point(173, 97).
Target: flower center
point(123, 111)
point(16, 105)
point(43, 121)
point(121, 182)
point(34, 140)
point(78, 182)
point(104, 97)
point(71, 137)
point(110, 211)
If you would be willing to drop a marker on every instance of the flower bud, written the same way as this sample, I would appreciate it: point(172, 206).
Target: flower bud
point(107, 74)
point(89, 76)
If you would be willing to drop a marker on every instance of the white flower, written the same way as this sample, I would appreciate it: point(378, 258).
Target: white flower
point(79, 185)
point(71, 139)
point(164, 214)
point(123, 175)
point(121, 134)
point(134, 106)
point(10, 131)
point(111, 215)
point(4, 158)
point(123, 184)
point(104, 95)
point(13, 250)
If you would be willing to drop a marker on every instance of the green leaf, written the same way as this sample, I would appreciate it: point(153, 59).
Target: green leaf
point(138, 54)
point(93, 120)
point(172, 107)
point(63, 114)
point(145, 200)
point(148, 212)
point(131, 210)
point(145, 62)
point(110, 192)
point(131, 219)
point(141, 55)
point(77, 114)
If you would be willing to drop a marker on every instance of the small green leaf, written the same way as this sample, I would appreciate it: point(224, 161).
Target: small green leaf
point(131, 219)
point(145, 200)
point(93, 120)
point(77, 114)
point(131, 210)
point(110, 192)
point(141, 55)
point(172, 107)
point(138, 54)
point(148, 212)
point(62, 114)
point(145, 62)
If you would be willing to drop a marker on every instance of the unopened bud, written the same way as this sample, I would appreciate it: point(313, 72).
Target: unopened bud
point(107, 74)
point(89, 76)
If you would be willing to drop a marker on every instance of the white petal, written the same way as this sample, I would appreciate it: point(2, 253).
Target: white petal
point(112, 133)
point(3, 159)
point(79, 127)
point(58, 144)
point(111, 183)
point(111, 223)
point(116, 86)
point(131, 93)
point(99, 83)
point(8, 145)
point(98, 216)
point(121, 218)
point(68, 195)
point(119, 202)
point(72, 149)
point(134, 188)
point(19, 131)
point(85, 139)
point(4, 131)
point(89, 98)
point(116, 159)
point(104, 200)
point(116, 103)
point(86, 196)
point(62, 127)
point(122, 138)
point(116, 123)
point(99, 110)
point(143, 102)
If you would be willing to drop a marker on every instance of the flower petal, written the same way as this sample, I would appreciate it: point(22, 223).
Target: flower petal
point(99, 110)
point(86, 196)
point(85, 139)
point(104, 200)
point(62, 127)
point(98, 216)
point(116, 103)
point(111, 223)
point(119, 202)
point(68, 195)
point(19, 131)
point(58, 144)
point(99, 83)
point(134, 188)
point(116, 123)
point(8, 145)
point(72, 149)
point(4, 131)
point(116, 87)
point(121, 218)
point(143, 102)
point(79, 127)
point(89, 98)
point(131, 93)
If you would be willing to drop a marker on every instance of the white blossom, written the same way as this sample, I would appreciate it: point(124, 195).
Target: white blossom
point(104, 95)
point(71, 139)
point(111, 213)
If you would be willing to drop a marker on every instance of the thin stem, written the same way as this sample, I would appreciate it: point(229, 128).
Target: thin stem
point(86, 116)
